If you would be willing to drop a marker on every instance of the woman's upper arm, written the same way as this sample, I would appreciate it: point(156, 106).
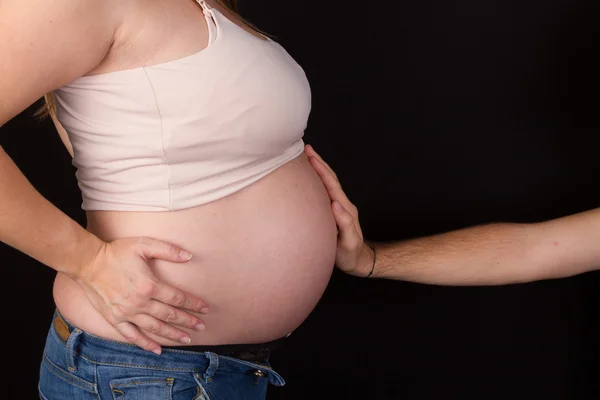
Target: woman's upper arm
point(49, 43)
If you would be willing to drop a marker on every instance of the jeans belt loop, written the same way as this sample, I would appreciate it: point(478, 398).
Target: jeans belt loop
point(70, 345)
point(213, 364)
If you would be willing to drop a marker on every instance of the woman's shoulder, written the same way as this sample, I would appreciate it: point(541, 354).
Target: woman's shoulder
point(49, 43)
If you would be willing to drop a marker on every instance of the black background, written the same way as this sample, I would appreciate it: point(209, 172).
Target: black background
point(436, 115)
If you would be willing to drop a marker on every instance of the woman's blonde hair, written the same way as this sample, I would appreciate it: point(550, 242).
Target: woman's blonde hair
point(49, 106)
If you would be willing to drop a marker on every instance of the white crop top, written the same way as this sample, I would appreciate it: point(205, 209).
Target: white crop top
point(190, 131)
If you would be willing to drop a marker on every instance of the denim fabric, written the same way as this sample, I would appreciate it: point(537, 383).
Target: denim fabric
point(90, 367)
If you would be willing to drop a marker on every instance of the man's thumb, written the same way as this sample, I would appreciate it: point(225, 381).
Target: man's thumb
point(343, 218)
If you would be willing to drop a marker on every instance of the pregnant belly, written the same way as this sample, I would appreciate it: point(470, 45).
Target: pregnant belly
point(262, 257)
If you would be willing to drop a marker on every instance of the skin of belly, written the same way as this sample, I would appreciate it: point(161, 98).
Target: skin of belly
point(262, 257)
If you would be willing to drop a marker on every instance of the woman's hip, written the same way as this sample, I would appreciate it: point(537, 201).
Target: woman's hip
point(78, 365)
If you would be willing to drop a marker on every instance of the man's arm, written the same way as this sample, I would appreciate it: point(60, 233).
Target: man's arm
point(494, 254)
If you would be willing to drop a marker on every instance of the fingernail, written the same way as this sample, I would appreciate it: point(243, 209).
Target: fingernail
point(337, 206)
point(205, 310)
point(185, 255)
point(157, 351)
point(185, 340)
point(200, 327)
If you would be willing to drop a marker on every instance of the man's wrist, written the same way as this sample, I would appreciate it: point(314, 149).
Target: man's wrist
point(367, 261)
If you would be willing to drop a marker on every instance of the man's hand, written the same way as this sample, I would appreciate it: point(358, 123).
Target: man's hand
point(491, 254)
point(354, 256)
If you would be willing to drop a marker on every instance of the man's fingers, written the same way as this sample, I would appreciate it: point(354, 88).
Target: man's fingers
point(157, 249)
point(134, 336)
point(349, 236)
point(312, 153)
point(343, 217)
point(329, 180)
point(179, 299)
point(332, 185)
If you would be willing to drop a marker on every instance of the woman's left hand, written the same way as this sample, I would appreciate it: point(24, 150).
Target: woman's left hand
point(353, 256)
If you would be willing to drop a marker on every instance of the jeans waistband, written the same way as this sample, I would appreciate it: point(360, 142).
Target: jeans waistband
point(89, 348)
point(97, 349)
point(256, 352)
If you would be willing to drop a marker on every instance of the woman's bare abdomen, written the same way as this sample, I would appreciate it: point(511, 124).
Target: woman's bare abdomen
point(262, 257)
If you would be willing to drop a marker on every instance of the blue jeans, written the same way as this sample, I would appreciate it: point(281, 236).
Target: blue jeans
point(77, 366)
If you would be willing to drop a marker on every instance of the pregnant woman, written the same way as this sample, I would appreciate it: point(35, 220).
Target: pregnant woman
point(209, 236)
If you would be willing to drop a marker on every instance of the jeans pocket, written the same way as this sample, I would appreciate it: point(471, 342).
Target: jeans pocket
point(142, 388)
point(57, 384)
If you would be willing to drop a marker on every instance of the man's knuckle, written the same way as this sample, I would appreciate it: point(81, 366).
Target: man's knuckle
point(347, 220)
point(355, 243)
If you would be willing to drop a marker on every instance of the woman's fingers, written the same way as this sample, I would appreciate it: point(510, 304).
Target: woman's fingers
point(157, 249)
point(178, 298)
point(121, 286)
point(174, 316)
point(159, 328)
point(135, 336)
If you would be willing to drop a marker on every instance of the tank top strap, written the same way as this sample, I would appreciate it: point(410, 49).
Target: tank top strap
point(210, 20)
point(204, 6)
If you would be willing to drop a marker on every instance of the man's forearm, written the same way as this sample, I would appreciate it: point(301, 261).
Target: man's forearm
point(496, 254)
